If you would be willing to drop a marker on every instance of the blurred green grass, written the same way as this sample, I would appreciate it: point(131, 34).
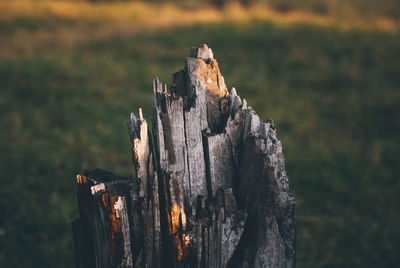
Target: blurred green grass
point(333, 94)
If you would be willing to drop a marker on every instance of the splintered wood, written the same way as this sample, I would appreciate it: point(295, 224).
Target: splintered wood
point(210, 189)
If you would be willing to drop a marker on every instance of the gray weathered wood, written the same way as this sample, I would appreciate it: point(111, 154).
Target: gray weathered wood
point(211, 188)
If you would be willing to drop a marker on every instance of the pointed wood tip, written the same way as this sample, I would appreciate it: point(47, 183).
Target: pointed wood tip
point(202, 52)
point(81, 179)
point(244, 106)
point(133, 118)
point(233, 92)
point(99, 188)
point(157, 85)
point(140, 114)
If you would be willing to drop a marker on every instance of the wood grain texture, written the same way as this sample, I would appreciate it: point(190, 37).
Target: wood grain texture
point(211, 188)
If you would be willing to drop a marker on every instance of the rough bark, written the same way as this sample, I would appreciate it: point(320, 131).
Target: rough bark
point(210, 190)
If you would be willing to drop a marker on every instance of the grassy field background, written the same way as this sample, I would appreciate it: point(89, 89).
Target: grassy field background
point(71, 72)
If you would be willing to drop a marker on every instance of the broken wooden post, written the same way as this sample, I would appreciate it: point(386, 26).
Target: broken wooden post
point(211, 188)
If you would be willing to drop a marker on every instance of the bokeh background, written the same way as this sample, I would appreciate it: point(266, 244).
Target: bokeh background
point(326, 71)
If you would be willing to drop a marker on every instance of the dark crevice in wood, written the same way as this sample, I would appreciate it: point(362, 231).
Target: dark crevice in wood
point(179, 83)
point(84, 255)
point(186, 160)
point(190, 91)
point(236, 174)
point(167, 245)
point(207, 163)
point(168, 142)
point(136, 223)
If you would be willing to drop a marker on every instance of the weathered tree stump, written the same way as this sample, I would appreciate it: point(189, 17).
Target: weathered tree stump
point(210, 190)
